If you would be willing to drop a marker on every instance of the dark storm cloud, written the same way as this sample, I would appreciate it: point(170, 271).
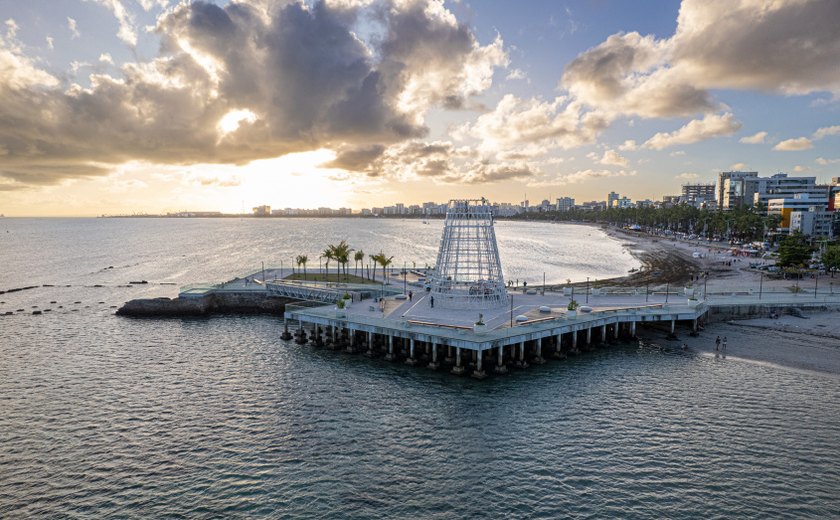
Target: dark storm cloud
point(301, 70)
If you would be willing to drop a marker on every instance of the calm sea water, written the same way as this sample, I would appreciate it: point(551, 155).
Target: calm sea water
point(217, 417)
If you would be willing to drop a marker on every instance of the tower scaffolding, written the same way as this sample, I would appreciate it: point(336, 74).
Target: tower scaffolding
point(468, 271)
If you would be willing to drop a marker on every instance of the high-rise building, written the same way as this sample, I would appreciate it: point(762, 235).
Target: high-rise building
point(697, 193)
point(565, 203)
point(735, 188)
point(611, 198)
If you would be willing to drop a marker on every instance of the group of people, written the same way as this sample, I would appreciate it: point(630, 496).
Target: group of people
point(720, 345)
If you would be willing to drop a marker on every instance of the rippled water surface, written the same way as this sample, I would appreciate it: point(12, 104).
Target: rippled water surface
point(218, 417)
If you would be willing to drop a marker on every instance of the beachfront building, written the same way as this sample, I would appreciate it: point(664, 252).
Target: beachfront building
point(612, 197)
point(695, 194)
point(734, 189)
point(816, 222)
point(468, 271)
point(801, 202)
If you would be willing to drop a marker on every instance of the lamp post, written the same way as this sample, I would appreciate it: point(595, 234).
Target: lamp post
point(511, 310)
point(647, 290)
point(587, 289)
point(816, 281)
point(760, 285)
point(667, 286)
point(705, 283)
point(405, 279)
point(263, 273)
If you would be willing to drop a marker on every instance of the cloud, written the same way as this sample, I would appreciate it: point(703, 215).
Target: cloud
point(794, 145)
point(127, 32)
point(757, 138)
point(106, 58)
point(785, 46)
point(628, 146)
point(516, 74)
point(303, 73)
point(687, 176)
point(74, 31)
point(11, 28)
point(516, 122)
point(677, 153)
point(738, 167)
point(826, 131)
point(712, 125)
point(579, 176)
point(613, 158)
point(50, 42)
point(799, 168)
point(825, 162)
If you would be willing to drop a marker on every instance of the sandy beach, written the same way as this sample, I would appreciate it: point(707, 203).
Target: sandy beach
point(809, 342)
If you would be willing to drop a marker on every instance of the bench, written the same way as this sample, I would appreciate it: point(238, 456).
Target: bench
point(432, 324)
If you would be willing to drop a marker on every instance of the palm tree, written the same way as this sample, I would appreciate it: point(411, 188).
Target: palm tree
point(301, 260)
point(342, 255)
point(359, 257)
point(384, 261)
point(329, 254)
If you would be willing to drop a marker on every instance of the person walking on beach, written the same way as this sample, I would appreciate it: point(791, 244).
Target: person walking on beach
point(724, 343)
point(717, 343)
point(410, 295)
point(432, 301)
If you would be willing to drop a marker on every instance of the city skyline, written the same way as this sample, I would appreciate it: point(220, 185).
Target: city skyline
point(155, 106)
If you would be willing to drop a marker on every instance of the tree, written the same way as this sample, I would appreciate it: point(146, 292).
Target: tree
point(794, 250)
point(301, 260)
point(329, 255)
point(831, 258)
point(341, 254)
point(359, 257)
point(384, 261)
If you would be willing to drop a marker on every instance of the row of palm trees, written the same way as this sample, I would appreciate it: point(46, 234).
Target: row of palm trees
point(340, 253)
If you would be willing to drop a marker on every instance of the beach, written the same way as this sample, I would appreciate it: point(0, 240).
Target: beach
point(804, 341)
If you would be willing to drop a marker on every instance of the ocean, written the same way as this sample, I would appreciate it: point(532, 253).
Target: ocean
point(217, 417)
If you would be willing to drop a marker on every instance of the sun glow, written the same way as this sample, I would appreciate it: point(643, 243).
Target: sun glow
point(231, 121)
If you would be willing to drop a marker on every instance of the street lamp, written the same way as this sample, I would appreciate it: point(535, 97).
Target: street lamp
point(760, 285)
point(587, 289)
point(667, 286)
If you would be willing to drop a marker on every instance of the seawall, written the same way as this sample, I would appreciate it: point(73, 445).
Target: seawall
point(245, 302)
point(745, 311)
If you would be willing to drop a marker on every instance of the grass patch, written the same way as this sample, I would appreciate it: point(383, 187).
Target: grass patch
point(329, 277)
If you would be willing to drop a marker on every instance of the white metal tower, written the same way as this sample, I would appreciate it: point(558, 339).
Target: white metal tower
point(468, 272)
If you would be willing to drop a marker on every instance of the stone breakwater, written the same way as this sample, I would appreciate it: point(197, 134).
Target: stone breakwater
point(215, 303)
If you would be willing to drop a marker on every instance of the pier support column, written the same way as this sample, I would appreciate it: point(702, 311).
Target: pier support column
point(479, 373)
point(633, 329)
point(604, 333)
point(434, 364)
point(521, 363)
point(351, 348)
point(538, 359)
point(575, 349)
point(694, 326)
point(370, 344)
point(449, 356)
point(411, 361)
point(500, 360)
point(673, 326)
point(615, 333)
point(286, 336)
point(558, 344)
point(589, 335)
point(390, 355)
point(458, 369)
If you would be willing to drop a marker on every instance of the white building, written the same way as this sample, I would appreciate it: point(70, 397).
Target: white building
point(565, 204)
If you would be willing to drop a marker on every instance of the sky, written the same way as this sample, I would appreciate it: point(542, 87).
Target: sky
point(151, 106)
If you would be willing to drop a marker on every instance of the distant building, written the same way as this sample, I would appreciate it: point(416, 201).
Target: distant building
point(815, 222)
point(611, 198)
point(623, 203)
point(799, 202)
point(695, 194)
point(731, 187)
point(565, 204)
point(262, 211)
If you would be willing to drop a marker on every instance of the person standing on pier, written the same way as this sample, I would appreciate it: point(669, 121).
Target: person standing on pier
point(432, 301)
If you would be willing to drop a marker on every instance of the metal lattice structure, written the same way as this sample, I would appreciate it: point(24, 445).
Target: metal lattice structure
point(468, 272)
